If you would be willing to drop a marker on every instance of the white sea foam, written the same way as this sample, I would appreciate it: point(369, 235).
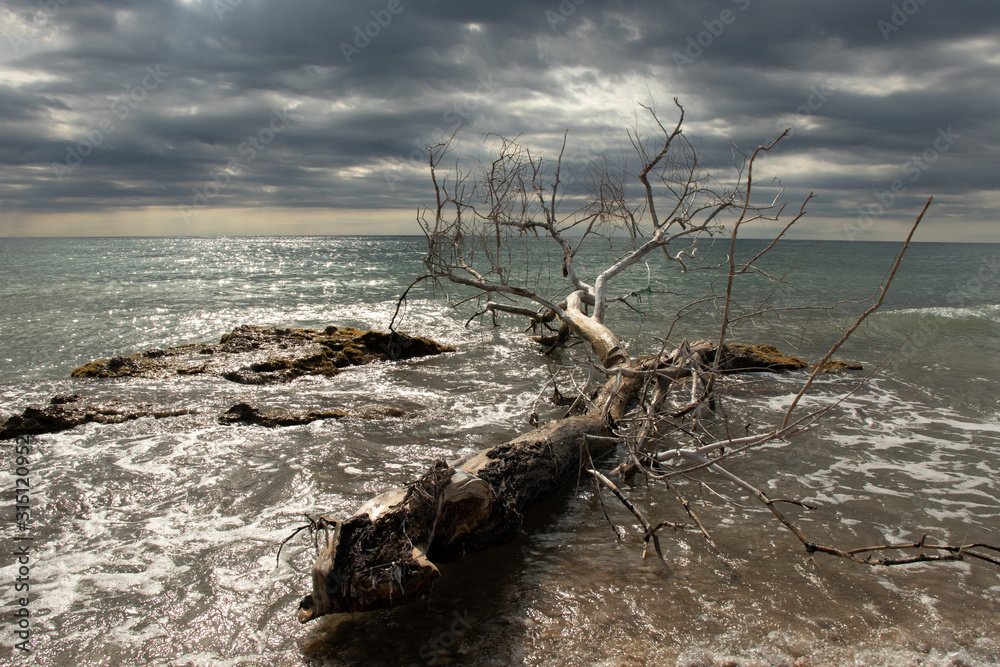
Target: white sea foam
point(989, 312)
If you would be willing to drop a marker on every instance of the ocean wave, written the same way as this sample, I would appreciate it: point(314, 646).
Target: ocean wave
point(985, 313)
point(951, 336)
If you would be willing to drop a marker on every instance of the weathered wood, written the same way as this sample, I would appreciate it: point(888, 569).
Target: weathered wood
point(385, 553)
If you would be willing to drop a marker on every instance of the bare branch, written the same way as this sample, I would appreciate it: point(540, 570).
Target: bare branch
point(882, 292)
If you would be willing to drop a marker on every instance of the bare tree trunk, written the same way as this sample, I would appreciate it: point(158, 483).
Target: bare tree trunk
point(385, 553)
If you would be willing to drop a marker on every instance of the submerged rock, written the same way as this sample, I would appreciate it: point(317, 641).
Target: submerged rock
point(243, 413)
point(65, 412)
point(267, 355)
point(740, 358)
point(248, 355)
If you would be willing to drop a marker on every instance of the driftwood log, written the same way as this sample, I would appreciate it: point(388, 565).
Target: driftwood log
point(385, 553)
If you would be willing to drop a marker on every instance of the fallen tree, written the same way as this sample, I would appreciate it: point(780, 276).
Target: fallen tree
point(652, 410)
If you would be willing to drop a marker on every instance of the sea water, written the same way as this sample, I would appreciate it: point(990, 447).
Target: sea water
point(155, 541)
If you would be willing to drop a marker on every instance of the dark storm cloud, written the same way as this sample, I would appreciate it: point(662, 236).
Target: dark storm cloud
point(108, 104)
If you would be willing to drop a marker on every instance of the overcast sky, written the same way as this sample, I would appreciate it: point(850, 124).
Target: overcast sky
point(307, 116)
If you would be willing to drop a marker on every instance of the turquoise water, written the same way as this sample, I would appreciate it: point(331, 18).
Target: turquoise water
point(156, 540)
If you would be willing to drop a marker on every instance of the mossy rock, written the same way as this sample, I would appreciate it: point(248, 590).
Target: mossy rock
point(116, 367)
point(738, 358)
point(67, 412)
point(267, 355)
point(243, 413)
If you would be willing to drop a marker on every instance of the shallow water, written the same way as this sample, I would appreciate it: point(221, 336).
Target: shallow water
point(155, 541)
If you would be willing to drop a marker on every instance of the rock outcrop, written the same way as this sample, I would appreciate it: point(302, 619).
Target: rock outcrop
point(267, 355)
point(738, 358)
point(66, 412)
point(248, 355)
point(243, 413)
